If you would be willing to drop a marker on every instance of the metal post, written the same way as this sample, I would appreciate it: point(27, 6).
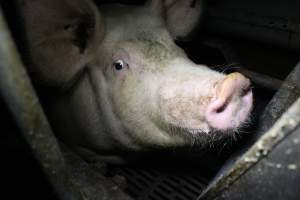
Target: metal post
point(18, 93)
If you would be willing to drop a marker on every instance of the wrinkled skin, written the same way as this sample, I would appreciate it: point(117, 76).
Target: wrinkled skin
point(128, 86)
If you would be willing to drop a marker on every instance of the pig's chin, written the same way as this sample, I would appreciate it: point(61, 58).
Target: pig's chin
point(198, 133)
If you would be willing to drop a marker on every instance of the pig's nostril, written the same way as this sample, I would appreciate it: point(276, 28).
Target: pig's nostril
point(221, 108)
point(232, 104)
point(246, 90)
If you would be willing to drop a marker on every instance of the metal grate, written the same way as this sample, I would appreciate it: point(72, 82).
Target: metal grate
point(152, 184)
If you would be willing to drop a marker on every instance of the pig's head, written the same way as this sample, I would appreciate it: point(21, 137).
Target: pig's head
point(129, 86)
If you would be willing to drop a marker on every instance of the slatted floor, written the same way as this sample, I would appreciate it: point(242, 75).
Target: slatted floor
point(143, 184)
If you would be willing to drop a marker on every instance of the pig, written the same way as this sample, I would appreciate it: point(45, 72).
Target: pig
point(122, 86)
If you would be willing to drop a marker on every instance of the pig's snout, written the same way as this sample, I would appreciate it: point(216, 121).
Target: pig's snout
point(232, 104)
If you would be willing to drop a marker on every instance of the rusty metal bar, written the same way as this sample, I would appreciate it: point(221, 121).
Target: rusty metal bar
point(280, 118)
point(18, 93)
point(282, 128)
point(288, 122)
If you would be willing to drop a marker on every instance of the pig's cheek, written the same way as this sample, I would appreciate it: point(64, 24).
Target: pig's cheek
point(184, 112)
point(121, 76)
point(123, 93)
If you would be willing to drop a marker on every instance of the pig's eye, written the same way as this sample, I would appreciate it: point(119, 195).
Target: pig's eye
point(119, 65)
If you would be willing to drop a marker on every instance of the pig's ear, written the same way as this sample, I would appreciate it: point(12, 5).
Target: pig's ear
point(59, 36)
point(182, 16)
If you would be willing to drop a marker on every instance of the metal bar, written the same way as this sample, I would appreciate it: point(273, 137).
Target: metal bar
point(18, 93)
point(280, 118)
point(284, 126)
point(263, 80)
